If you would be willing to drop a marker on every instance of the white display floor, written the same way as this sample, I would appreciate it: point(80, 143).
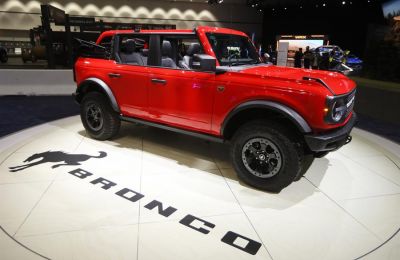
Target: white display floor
point(73, 205)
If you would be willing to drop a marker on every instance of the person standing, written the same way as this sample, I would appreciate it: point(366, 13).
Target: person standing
point(298, 56)
point(315, 60)
point(308, 56)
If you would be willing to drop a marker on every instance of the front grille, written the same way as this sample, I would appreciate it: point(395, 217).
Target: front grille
point(350, 100)
point(343, 103)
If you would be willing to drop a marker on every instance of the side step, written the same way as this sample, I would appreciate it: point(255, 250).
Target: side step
point(174, 129)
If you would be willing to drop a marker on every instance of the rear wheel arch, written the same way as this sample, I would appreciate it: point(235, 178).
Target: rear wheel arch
point(97, 85)
point(260, 109)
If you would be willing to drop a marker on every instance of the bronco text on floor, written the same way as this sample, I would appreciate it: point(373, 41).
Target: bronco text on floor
point(230, 238)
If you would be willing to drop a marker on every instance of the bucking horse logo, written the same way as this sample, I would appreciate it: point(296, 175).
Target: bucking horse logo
point(59, 157)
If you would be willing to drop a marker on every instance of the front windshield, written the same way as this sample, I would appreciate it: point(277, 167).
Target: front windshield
point(233, 50)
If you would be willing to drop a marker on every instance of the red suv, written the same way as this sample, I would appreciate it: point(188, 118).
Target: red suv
point(210, 83)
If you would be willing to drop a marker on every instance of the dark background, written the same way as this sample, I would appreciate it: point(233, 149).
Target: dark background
point(346, 25)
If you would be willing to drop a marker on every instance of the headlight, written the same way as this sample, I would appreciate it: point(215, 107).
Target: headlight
point(339, 107)
point(338, 110)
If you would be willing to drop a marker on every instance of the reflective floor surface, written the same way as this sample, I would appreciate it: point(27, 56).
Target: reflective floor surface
point(153, 194)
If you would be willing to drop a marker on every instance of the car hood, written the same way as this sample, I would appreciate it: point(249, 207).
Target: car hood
point(337, 82)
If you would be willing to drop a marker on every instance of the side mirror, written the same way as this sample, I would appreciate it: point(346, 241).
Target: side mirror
point(204, 62)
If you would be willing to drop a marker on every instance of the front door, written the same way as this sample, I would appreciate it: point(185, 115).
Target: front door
point(181, 97)
point(178, 95)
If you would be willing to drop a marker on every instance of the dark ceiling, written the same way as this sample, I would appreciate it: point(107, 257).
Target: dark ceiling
point(271, 3)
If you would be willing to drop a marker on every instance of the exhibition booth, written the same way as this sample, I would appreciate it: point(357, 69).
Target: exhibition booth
point(182, 130)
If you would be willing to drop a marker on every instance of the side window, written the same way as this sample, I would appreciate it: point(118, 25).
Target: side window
point(106, 42)
point(177, 51)
point(133, 49)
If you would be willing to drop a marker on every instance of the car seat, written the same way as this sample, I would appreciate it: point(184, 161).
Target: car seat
point(128, 54)
point(166, 52)
point(187, 61)
point(145, 54)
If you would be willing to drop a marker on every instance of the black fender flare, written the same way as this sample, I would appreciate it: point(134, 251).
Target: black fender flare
point(106, 89)
point(285, 111)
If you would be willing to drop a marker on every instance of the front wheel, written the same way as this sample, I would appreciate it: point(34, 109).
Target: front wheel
point(99, 119)
point(265, 155)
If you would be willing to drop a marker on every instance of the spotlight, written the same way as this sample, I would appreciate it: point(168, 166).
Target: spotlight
point(254, 3)
point(210, 2)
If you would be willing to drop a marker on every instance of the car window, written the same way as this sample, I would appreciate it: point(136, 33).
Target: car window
point(133, 49)
point(178, 51)
point(233, 50)
point(106, 42)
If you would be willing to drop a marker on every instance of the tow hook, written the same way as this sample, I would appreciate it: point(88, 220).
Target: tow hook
point(348, 139)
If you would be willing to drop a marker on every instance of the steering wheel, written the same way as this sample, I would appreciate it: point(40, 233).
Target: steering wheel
point(234, 55)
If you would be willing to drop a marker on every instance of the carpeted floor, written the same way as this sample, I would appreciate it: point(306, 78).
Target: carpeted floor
point(20, 112)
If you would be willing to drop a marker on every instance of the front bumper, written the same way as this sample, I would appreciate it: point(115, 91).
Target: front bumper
point(332, 140)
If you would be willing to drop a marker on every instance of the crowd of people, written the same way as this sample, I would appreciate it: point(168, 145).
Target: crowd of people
point(309, 59)
point(314, 59)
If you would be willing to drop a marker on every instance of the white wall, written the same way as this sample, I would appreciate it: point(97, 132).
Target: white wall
point(185, 15)
point(36, 82)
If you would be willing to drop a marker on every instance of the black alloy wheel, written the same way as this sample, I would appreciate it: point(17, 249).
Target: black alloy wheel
point(261, 157)
point(98, 117)
point(94, 116)
point(265, 155)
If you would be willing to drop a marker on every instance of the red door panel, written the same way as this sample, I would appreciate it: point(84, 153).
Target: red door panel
point(130, 85)
point(181, 97)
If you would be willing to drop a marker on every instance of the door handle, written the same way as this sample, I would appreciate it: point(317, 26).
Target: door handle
point(159, 81)
point(114, 75)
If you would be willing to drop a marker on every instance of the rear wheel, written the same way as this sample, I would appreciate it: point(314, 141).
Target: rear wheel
point(99, 119)
point(265, 155)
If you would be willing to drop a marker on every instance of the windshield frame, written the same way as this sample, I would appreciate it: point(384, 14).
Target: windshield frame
point(233, 61)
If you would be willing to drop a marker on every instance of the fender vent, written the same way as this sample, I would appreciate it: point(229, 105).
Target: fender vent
point(320, 81)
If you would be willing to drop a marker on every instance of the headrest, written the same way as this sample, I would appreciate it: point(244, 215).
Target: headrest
point(166, 48)
point(128, 46)
point(193, 49)
point(144, 52)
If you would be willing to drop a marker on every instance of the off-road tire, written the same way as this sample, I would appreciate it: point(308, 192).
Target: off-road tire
point(306, 161)
point(283, 139)
point(110, 119)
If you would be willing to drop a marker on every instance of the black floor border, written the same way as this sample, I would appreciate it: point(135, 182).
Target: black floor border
point(381, 245)
point(24, 246)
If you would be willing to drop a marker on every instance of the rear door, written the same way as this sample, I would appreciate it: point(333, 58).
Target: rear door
point(180, 97)
point(129, 79)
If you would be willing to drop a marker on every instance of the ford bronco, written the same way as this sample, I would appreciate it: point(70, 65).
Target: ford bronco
point(210, 83)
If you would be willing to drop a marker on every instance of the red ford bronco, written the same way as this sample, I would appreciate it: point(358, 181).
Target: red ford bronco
point(210, 83)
